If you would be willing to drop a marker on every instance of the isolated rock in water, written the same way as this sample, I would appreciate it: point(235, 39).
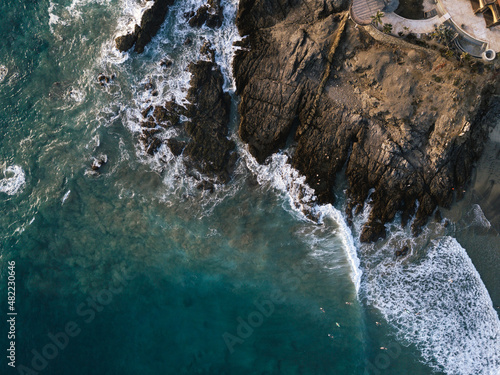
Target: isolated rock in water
point(206, 185)
point(98, 162)
point(166, 63)
point(104, 80)
point(402, 122)
point(403, 252)
point(209, 148)
point(125, 42)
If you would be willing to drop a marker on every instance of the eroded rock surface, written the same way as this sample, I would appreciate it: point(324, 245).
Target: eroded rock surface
point(210, 14)
point(209, 146)
point(151, 21)
point(402, 121)
point(203, 139)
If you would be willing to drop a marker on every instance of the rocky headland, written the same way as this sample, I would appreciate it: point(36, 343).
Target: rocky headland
point(404, 123)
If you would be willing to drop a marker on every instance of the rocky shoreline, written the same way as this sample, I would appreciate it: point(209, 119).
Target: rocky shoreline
point(203, 139)
point(403, 123)
point(151, 22)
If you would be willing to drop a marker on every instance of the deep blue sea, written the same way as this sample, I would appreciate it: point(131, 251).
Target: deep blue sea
point(133, 270)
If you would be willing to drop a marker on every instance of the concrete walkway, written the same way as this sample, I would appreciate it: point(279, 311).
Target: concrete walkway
point(415, 26)
point(472, 24)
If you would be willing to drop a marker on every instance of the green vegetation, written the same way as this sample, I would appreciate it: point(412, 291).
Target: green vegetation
point(377, 18)
point(443, 35)
point(387, 29)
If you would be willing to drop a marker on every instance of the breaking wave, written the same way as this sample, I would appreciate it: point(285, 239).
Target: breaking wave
point(14, 180)
point(436, 300)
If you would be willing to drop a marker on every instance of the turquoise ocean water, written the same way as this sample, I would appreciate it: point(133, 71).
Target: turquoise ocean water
point(135, 271)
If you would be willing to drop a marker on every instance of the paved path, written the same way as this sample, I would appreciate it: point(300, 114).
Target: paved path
point(415, 26)
point(461, 14)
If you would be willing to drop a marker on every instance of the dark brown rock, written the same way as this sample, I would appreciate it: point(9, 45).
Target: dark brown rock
point(176, 146)
point(403, 252)
point(98, 162)
point(209, 148)
point(145, 113)
point(210, 15)
point(166, 63)
point(396, 131)
point(149, 123)
point(153, 146)
point(169, 115)
point(151, 22)
point(149, 140)
point(206, 185)
point(149, 85)
point(125, 42)
point(207, 50)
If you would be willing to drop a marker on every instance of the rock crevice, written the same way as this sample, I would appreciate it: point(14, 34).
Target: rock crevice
point(402, 122)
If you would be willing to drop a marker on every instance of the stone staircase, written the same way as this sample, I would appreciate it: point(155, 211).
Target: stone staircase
point(363, 10)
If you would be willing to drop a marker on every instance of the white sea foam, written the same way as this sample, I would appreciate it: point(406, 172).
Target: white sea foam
point(437, 301)
point(172, 83)
point(65, 197)
point(279, 174)
point(14, 180)
point(3, 72)
point(476, 217)
point(60, 15)
point(132, 11)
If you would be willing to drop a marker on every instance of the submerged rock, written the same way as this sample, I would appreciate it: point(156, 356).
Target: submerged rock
point(98, 162)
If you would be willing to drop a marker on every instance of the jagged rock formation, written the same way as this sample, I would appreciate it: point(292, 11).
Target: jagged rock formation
point(156, 118)
point(210, 15)
point(402, 121)
point(203, 141)
point(209, 146)
point(151, 22)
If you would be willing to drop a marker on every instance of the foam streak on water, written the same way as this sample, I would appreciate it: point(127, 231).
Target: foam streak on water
point(279, 174)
